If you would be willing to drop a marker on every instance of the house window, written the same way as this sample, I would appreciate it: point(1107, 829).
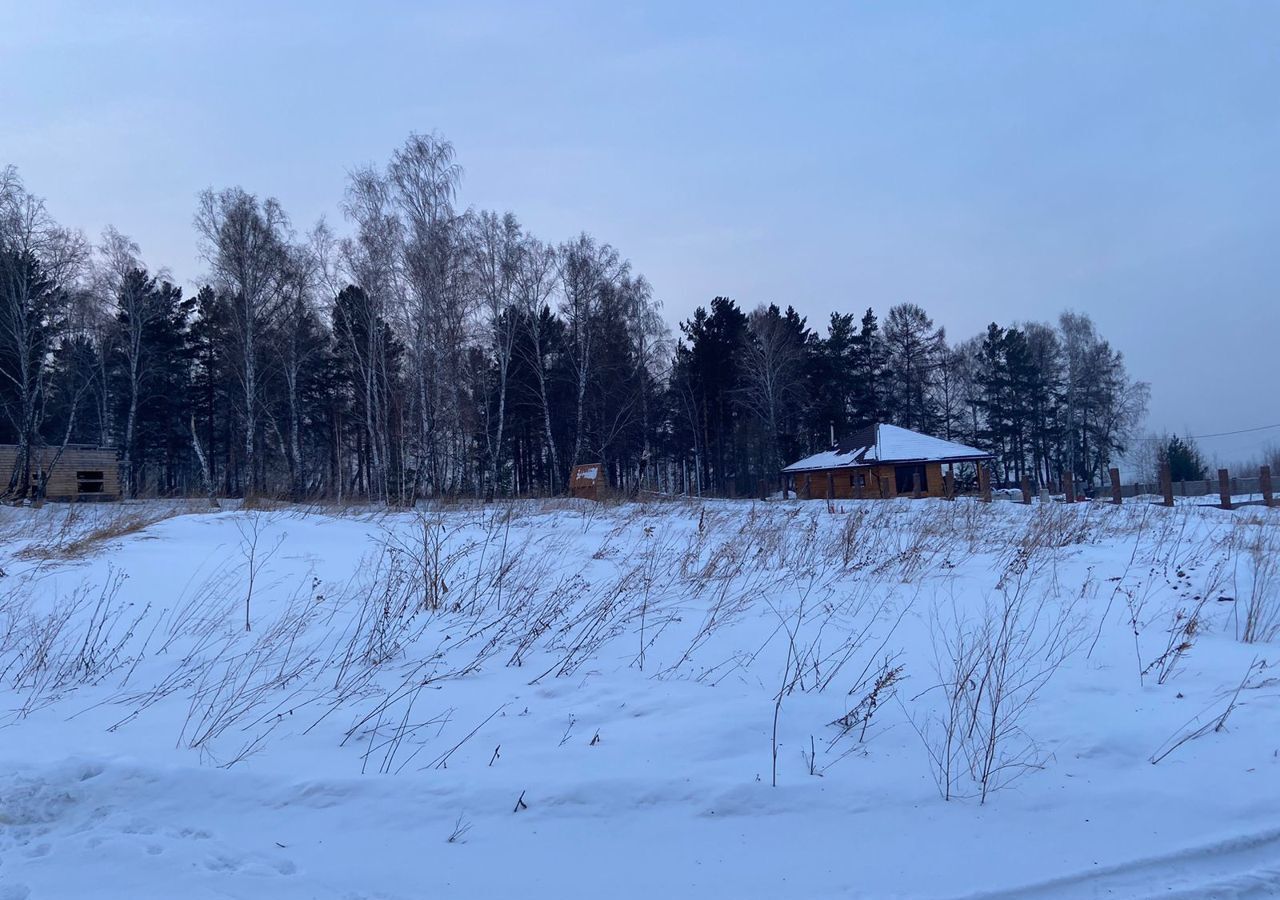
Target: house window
point(90, 481)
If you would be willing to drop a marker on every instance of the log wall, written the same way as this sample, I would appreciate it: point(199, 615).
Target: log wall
point(880, 481)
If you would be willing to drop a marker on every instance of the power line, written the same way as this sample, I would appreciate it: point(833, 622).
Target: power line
point(1241, 431)
point(1220, 433)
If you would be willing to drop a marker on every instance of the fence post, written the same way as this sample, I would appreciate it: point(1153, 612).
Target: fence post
point(831, 485)
point(1264, 486)
point(1166, 484)
point(808, 487)
point(1116, 497)
point(915, 485)
point(1069, 487)
point(1026, 489)
point(984, 482)
point(1224, 488)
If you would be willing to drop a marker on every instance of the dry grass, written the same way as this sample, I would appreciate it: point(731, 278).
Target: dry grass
point(83, 530)
point(558, 585)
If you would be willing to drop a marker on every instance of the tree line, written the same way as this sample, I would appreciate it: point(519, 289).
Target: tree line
point(433, 350)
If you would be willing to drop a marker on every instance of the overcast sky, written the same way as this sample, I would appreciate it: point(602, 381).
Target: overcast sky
point(987, 161)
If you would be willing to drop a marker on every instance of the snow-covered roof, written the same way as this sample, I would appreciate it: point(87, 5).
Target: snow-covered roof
point(588, 472)
point(888, 444)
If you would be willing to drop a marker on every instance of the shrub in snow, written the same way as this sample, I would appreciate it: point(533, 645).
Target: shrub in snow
point(992, 666)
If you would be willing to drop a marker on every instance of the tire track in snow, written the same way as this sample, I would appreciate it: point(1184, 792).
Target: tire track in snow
point(1245, 867)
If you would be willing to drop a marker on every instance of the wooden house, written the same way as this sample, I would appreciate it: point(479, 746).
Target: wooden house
point(588, 481)
point(83, 472)
point(880, 461)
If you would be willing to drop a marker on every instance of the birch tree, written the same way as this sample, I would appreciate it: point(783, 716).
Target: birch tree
point(424, 179)
point(373, 259)
point(244, 242)
point(39, 261)
point(497, 247)
point(587, 270)
point(299, 346)
point(535, 284)
point(122, 281)
point(772, 357)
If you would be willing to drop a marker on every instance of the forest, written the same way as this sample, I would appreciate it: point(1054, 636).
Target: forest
point(428, 349)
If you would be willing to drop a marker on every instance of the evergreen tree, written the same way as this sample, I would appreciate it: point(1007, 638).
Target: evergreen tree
point(774, 362)
point(75, 412)
point(147, 366)
point(707, 371)
point(914, 348)
point(367, 368)
point(868, 390)
point(457, 354)
point(32, 314)
point(213, 423)
point(832, 379)
point(1184, 460)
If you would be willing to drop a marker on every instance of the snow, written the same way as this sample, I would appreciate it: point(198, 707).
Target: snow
point(892, 444)
point(828, 459)
point(615, 668)
point(900, 443)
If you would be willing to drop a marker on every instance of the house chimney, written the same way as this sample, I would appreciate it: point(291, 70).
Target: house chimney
point(833, 435)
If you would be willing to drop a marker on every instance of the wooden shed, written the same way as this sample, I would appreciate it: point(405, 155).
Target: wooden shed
point(587, 481)
point(83, 472)
point(879, 461)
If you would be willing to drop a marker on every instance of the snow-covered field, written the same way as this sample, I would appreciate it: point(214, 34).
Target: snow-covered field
point(562, 700)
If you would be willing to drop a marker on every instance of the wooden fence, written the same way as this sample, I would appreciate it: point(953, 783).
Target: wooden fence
point(1256, 489)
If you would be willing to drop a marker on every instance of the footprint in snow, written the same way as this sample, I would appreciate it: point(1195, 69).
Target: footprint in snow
point(222, 863)
point(229, 863)
point(139, 826)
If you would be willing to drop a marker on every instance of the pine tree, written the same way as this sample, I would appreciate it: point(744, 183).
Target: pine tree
point(832, 382)
point(147, 362)
point(914, 349)
point(867, 394)
point(1184, 460)
point(708, 375)
point(75, 388)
